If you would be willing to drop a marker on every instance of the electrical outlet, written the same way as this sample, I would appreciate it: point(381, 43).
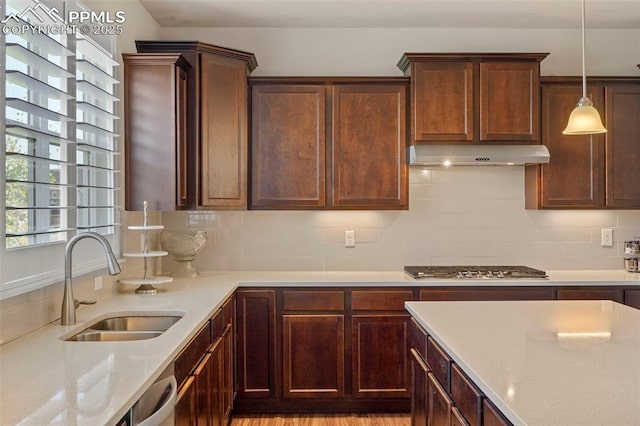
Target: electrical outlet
point(607, 237)
point(97, 283)
point(349, 238)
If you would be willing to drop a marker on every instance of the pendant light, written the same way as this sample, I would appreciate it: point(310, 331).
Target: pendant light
point(584, 119)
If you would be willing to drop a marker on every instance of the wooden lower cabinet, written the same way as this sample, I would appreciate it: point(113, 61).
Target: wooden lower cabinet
point(457, 419)
point(313, 356)
point(204, 372)
point(204, 376)
point(632, 298)
point(378, 331)
point(186, 410)
point(440, 403)
point(215, 392)
point(611, 293)
point(419, 400)
point(486, 293)
point(441, 393)
point(256, 343)
point(491, 416)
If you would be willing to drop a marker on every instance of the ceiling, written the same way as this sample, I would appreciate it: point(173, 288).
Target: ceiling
point(395, 13)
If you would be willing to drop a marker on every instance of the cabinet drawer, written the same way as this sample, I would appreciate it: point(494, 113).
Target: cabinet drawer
point(466, 396)
point(187, 359)
point(313, 300)
point(418, 338)
point(217, 324)
point(614, 294)
point(385, 300)
point(439, 362)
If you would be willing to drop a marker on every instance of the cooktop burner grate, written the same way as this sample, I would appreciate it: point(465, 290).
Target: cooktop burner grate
point(475, 272)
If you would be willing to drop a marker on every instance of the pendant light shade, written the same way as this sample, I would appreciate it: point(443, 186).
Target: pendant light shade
point(584, 119)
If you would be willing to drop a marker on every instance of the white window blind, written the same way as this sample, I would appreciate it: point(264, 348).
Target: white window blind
point(60, 148)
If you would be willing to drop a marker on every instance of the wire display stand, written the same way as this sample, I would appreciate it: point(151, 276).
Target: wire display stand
point(147, 282)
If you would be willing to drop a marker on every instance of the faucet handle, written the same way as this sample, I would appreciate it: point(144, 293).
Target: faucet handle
point(77, 302)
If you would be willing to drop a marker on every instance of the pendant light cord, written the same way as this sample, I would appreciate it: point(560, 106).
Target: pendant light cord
point(584, 68)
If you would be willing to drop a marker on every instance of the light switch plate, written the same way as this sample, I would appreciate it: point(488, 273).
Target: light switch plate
point(607, 237)
point(349, 238)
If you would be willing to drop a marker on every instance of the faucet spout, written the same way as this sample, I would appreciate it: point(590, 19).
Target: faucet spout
point(68, 316)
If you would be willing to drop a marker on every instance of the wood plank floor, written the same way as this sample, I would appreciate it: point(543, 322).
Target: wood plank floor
point(323, 420)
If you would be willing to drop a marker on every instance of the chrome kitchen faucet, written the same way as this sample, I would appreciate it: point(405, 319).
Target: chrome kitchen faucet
point(69, 304)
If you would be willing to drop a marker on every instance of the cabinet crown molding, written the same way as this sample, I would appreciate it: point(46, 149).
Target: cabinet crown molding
point(408, 58)
point(157, 58)
point(152, 46)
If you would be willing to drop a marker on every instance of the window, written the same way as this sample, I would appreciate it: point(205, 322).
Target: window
point(60, 138)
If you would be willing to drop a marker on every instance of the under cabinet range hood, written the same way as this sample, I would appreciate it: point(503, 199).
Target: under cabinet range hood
point(476, 155)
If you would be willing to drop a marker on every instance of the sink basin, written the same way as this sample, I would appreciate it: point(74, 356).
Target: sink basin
point(112, 336)
point(136, 323)
point(125, 328)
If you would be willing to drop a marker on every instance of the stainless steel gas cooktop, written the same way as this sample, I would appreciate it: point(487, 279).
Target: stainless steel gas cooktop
point(475, 272)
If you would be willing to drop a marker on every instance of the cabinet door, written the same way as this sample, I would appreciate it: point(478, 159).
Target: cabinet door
point(383, 372)
point(466, 396)
point(227, 372)
point(204, 375)
point(575, 175)
point(442, 102)
point(216, 384)
point(509, 101)
point(223, 139)
point(439, 403)
point(313, 356)
point(155, 136)
point(368, 146)
point(288, 146)
point(623, 146)
point(419, 400)
point(491, 416)
point(256, 319)
point(186, 413)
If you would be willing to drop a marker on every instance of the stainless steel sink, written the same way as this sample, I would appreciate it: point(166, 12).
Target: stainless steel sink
point(125, 327)
point(112, 336)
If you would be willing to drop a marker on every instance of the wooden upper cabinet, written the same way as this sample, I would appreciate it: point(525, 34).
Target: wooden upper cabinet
point(223, 114)
point(590, 171)
point(442, 102)
point(368, 146)
point(217, 123)
point(155, 131)
point(623, 145)
point(288, 146)
point(328, 143)
point(509, 101)
point(474, 97)
point(575, 174)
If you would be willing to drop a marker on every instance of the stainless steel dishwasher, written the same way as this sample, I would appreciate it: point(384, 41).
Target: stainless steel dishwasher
point(156, 405)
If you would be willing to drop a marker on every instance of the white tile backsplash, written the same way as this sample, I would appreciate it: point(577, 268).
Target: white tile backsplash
point(457, 215)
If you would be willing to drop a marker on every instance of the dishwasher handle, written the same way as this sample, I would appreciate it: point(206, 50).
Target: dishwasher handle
point(156, 406)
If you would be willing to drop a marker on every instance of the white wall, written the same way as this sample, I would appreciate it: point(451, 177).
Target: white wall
point(463, 215)
point(376, 51)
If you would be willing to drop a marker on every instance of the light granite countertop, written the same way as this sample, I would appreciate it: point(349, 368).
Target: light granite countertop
point(545, 363)
point(46, 380)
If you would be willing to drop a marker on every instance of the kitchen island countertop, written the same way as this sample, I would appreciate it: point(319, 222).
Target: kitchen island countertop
point(545, 363)
point(45, 380)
